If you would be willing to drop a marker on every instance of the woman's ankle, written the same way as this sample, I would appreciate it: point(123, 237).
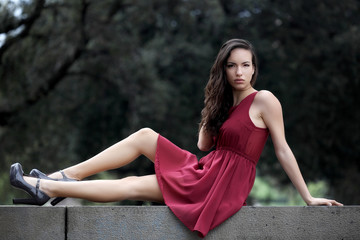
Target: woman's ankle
point(55, 175)
point(69, 173)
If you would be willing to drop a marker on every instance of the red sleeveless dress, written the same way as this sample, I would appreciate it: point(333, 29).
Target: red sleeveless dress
point(203, 194)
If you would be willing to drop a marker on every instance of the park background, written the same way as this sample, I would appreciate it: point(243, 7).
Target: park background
point(76, 76)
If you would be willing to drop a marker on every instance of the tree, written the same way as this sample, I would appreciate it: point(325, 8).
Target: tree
point(87, 73)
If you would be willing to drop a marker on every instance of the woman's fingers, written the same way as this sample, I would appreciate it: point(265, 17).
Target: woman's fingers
point(324, 201)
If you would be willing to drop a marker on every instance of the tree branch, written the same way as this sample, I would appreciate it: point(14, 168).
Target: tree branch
point(7, 112)
point(27, 23)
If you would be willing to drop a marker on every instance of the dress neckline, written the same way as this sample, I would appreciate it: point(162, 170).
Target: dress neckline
point(244, 99)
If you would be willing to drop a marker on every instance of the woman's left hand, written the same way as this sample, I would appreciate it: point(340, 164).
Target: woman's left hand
point(323, 201)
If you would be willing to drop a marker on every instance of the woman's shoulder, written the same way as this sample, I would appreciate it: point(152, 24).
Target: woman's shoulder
point(266, 98)
point(265, 95)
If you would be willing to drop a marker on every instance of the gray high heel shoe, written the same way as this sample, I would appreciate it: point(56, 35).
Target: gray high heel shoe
point(38, 197)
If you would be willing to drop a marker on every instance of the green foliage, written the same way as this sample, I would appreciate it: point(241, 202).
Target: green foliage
point(88, 73)
point(267, 193)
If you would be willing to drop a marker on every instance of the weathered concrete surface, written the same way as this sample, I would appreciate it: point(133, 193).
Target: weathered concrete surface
point(125, 223)
point(249, 223)
point(24, 223)
point(291, 223)
point(158, 222)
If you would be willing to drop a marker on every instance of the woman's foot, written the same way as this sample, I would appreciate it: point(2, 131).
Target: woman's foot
point(58, 176)
point(54, 177)
point(31, 181)
point(42, 184)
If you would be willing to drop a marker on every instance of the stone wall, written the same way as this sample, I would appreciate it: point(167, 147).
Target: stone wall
point(158, 222)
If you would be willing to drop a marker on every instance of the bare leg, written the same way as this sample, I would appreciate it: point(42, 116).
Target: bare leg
point(143, 142)
point(132, 188)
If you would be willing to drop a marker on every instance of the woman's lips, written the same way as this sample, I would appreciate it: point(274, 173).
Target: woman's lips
point(239, 80)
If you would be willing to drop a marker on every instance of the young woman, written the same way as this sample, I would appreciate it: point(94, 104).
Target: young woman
point(236, 119)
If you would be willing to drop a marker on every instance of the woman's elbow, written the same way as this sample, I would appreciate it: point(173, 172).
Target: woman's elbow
point(203, 147)
point(283, 154)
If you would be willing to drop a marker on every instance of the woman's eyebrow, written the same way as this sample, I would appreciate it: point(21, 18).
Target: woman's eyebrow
point(235, 63)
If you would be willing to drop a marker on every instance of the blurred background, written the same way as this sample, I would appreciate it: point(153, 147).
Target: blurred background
point(76, 76)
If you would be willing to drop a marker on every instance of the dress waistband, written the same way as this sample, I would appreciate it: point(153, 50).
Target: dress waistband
point(237, 152)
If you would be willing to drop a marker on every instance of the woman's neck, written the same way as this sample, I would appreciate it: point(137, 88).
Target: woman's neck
point(238, 96)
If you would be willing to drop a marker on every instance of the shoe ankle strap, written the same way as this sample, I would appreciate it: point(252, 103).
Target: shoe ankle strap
point(37, 186)
point(63, 174)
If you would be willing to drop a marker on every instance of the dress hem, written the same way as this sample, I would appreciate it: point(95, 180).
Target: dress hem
point(158, 176)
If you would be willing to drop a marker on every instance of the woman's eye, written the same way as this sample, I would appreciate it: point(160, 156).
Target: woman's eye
point(230, 65)
point(246, 65)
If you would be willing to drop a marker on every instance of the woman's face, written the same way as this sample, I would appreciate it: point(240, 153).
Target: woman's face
point(239, 69)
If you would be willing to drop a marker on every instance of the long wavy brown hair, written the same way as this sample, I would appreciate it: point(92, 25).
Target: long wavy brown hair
point(218, 92)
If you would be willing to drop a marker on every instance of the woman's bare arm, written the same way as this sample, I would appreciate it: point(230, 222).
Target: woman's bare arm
point(205, 141)
point(271, 113)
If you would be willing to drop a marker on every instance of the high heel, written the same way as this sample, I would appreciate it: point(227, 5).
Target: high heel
point(29, 201)
point(17, 180)
point(37, 173)
point(57, 200)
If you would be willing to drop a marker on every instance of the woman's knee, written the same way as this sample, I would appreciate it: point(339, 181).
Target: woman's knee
point(134, 185)
point(145, 141)
point(144, 188)
point(146, 136)
point(146, 132)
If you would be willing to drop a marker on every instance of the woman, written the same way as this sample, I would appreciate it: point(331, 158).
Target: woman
point(236, 119)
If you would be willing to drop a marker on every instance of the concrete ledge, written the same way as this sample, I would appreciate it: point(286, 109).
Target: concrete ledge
point(32, 222)
point(158, 222)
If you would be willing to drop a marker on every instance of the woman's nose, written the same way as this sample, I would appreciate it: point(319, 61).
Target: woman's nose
point(238, 71)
